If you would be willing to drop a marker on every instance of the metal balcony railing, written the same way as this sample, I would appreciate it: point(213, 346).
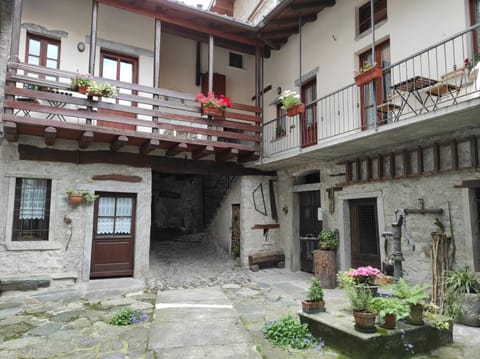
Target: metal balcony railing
point(440, 76)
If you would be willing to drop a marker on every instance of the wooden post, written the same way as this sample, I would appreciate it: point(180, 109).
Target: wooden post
point(16, 26)
point(93, 37)
point(325, 268)
point(156, 68)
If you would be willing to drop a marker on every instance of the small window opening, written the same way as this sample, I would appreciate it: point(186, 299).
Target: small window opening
point(236, 60)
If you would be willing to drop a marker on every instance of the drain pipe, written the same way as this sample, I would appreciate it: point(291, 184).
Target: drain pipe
point(299, 74)
point(372, 24)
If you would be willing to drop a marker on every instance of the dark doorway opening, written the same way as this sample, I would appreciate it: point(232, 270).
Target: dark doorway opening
point(310, 227)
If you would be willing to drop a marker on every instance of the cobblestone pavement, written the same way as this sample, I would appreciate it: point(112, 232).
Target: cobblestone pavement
point(71, 323)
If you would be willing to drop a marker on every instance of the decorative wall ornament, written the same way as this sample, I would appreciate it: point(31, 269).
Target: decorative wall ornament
point(259, 200)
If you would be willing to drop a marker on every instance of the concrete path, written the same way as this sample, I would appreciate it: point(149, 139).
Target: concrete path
point(198, 323)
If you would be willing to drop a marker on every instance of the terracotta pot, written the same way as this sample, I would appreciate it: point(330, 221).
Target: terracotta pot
point(213, 112)
point(83, 89)
point(313, 307)
point(416, 315)
point(389, 321)
point(75, 198)
point(365, 322)
point(369, 75)
point(294, 110)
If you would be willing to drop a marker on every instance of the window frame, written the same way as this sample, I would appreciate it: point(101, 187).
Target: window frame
point(281, 120)
point(364, 16)
point(44, 42)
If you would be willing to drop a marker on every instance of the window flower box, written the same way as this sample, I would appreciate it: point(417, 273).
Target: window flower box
point(368, 75)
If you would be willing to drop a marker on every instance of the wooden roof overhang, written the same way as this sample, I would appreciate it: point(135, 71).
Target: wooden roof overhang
point(197, 24)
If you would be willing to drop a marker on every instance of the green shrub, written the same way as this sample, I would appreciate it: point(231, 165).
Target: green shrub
point(289, 332)
point(315, 292)
point(127, 316)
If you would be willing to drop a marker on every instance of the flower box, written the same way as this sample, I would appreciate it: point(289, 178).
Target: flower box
point(214, 112)
point(367, 76)
point(296, 109)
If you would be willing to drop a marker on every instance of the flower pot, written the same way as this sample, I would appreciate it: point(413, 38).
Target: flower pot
point(470, 313)
point(294, 110)
point(416, 315)
point(389, 321)
point(369, 75)
point(83, 89)
point(214, 112)
point(365, 322)
point(75, 198)
point(310, 307)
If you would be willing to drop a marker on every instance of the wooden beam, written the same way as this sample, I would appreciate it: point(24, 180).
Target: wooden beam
point(248, 157)
point(316, 4)
point(226, 155)
point(149, 146)
point(11, 131)
point(280, 34)
point(176, 149)
point(474, 151)
point(93, 37)
point(293, 20)
point(86, 139)
point(117, 178)
point(156, 163)
point(118, 143)
point(50, 135)
point(203, 152)
point(454, 149)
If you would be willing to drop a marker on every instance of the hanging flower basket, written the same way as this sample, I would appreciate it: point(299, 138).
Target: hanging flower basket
point(296, 109)
point(75, 198)
point(369, 75)
point(214, 112)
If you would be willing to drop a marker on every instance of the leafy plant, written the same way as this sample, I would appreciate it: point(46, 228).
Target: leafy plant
point(81, 80)
point(390, 305)
point(211, 100)
point(127, 316)
point(289, 332)
point(289, 99)
point(88, 196)
point(345, 281)
point(102, 89)
point(360, 297)
point(365, 275)
point(412, 295)
point(459, 283)
point(315, 292)
point(432, 313)
point(327, 240)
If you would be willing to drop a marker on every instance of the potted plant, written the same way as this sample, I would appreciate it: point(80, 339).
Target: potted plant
point(314, 302)
point(102, 89)
point(291, 103)
point(390, 310)
point(327, 240)
point(81, 82)
point(213, 106)
point(368, 73)
point(324, 258)
point(280, 131)
point(366, 276)
point(77, 196)
point(463, 296)
point(364, 314)
point(414, 296)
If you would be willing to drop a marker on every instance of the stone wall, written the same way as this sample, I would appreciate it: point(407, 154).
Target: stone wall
point(52, 257)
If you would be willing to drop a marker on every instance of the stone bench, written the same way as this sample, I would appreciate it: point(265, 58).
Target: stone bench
point(267, 258)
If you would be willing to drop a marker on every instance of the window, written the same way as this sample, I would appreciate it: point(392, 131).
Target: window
point(114, 216)
point(236, 60)
point(281, 127)
point(32, 209)
point(43, 51)
point(364, 14)
point(309, 118)
point(474, 19)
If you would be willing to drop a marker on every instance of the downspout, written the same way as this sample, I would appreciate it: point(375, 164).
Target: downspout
point(93, 37)
point(372, 24)
point(300, 74)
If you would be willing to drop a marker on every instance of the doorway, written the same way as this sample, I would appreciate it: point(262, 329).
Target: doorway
point(364, 233)
point(235, 246)
point(113, 236)
point(309, 117)
point(310, 227)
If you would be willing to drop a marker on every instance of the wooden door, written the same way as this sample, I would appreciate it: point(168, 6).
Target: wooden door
point(219, 84)
point(121, 68)
point(309, 118)
point(310, 227)
point(364, 233)
point(113, 236)
point(235, 245)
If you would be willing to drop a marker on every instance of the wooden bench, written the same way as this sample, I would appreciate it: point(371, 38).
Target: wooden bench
point(271, 258)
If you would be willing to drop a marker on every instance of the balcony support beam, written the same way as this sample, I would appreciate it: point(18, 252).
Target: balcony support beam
point(176, 149)
point(11, 131)
point(226, 155)
point(149, 146)
point(86, 139)
point(119, 142)
point(50, 135)
point(203, 152)
point(248, 157)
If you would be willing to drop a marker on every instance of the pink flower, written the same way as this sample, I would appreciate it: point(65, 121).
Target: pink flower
point(210, 100)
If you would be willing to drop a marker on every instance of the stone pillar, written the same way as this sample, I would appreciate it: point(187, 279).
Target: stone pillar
point(6, 10)
point(325, 268)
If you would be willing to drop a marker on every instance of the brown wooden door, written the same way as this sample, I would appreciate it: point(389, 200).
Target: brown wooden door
point(113, 236)
point(309, 118)
point(364, 233)
point(310, 227)
point(218, 86)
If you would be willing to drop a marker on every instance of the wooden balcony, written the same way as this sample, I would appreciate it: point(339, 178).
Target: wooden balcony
point(39, 102)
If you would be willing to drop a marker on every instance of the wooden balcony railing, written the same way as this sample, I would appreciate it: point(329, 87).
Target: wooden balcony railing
point(39, 102)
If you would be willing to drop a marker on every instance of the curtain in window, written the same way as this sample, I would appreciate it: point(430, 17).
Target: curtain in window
point(106, 215)
point(124, 212)
point(33, 199)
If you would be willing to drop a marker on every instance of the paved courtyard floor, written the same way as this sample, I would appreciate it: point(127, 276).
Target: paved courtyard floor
point(218, 318)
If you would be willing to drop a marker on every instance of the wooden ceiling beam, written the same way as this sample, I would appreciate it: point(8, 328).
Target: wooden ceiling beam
point(149, 146)
point(50, 135)
point(119, 142)
point(315, 4)
point(85, 139)
point(226, 155)
point(176, 149)
point(203, 152)
point(284, 33)
point(11, 131)
point(248, 157)
point(293, 20)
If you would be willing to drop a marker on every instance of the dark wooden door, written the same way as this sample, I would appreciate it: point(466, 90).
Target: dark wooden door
point(364, 233)
point(310, 227)
point(218, 86)
point(113, 236)
point(235, 246)
point(309, 117)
